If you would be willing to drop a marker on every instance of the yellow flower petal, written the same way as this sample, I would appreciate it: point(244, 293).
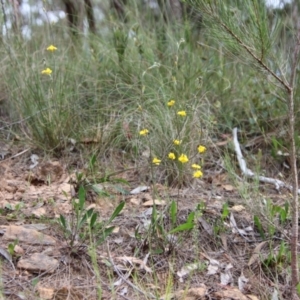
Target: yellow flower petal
point(201, 149)
point(171, 155)
point(47, 71)
point(181, 113)
point(183, 158)
point(156, 161)
point(177, 142)
point(195, 166)
point(51, 48)
point(171, 103)
point(197, 174)
point(144, 132)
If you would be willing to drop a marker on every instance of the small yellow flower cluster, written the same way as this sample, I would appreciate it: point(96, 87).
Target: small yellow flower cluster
point(144, 132)
point(156, 161)
point(181, 113)
point(182, 158)
point(51, 48)
point(172, 155)
point(171, 103)
point(201, 149)
point(48, 71)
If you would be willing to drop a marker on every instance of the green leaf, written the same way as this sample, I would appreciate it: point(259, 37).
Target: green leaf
point(121, 190)
point(259, 227)
point(137, 235)
point(173, 212)
point(92, 162)
point(90, 212)
point(62, 221)
point(105, 234)
point(82, 221)
point(154, 215)
point(97, 188)
point(116, 211)
point(160, 229)
point(182, 227)
point(11, 249)
point(298, 289)
point(81, 196)
point(158, 251)
point(121, 180)
point(190, 218)
point(93, 220)
point(79, 176)
point(225, 211)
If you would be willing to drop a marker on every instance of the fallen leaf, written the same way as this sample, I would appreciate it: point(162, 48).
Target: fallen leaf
point(7, 256)
point(237, 208)
point(187, 269)
point(228, 187)
point(207, 227)
point(156, 202)
point(116, 229)
point(213, 267)
point(256, 253)
point(242, 282)
point(135, 201)
point(139, 189)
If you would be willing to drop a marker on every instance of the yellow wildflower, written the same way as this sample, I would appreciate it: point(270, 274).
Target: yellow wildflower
point(47, 71)
point(177, 142)
point(171, 155)
point(201, 149)
point(181, 113)
point(183, 158)
point(195, 166)
point(144, 132)
point(197, 174)
point(156, 161)
point(171, 103)
point(51, 48)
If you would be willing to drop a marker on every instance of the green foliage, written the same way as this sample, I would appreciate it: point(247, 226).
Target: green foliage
point(275, 216)
point(84, 224)
point(277, 260)
point(160, 236)
point(219, 225)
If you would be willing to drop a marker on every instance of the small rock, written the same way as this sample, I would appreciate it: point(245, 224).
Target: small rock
point(30, 236)
point(38, 262)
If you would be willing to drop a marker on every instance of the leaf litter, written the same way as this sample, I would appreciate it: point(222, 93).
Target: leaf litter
point(225, 269)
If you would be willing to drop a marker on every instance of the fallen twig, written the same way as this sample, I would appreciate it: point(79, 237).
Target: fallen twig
point(248, 173)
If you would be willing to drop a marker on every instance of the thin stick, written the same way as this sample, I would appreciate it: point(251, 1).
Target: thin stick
point(248, 173)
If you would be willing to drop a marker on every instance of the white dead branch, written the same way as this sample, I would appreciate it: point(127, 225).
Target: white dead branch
point(247, 172)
